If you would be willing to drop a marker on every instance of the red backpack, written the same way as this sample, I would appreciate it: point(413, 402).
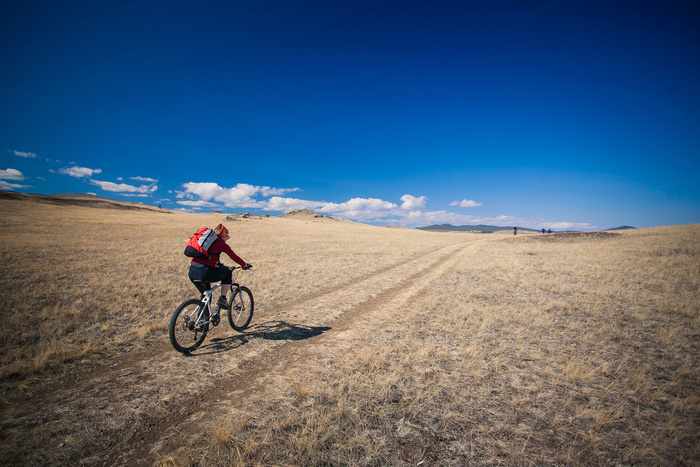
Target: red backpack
point(199, 243)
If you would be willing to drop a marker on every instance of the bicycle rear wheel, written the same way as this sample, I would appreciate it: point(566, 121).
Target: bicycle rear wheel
point(187, 328)
point(241, 311)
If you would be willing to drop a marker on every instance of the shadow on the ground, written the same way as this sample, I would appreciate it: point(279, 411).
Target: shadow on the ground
point(270, 330)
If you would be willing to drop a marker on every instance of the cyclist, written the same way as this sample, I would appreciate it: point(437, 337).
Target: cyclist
point(209, 269)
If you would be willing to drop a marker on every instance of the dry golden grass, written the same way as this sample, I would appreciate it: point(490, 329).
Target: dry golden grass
point(561, 350)
point(370, 346)
point(81, 280)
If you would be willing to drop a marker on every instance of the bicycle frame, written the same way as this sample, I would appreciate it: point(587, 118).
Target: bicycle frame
point(206, 300)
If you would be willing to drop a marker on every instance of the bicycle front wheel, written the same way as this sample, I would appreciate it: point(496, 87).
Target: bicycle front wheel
point(188, 326)
point(241, 311)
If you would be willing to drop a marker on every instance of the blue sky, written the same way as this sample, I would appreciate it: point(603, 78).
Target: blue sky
point(561, 114)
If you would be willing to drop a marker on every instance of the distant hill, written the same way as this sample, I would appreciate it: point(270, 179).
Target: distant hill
point(78, 199)
point(469, 228)
point(305, 214)
point(490, 228)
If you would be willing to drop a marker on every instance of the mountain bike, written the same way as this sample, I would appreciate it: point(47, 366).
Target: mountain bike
point(190, 322)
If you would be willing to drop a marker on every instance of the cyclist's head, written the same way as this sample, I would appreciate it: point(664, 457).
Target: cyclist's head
point(221, 232)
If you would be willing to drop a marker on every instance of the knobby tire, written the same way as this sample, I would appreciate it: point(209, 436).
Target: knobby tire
point(185, 335)
point(241, 311)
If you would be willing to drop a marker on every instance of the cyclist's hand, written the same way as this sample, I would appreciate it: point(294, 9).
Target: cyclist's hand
point(247, 266)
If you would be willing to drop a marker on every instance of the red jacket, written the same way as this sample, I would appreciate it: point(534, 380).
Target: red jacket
point(216, 248)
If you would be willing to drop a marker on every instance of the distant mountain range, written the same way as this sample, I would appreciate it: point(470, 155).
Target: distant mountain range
point(488, 228)
point(469, 228)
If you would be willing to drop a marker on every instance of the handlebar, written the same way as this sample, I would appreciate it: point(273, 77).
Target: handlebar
point(245, 268)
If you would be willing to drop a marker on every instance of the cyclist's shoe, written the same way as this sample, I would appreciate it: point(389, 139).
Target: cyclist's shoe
point(223, 304)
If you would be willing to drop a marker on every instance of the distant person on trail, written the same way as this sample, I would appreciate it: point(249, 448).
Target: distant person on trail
point(209, 269)
point(515, 230)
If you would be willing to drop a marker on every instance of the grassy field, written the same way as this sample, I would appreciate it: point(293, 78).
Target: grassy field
point(369, 345)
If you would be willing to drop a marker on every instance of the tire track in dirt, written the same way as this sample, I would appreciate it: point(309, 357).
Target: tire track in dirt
point(125, 413)
point(241, 388)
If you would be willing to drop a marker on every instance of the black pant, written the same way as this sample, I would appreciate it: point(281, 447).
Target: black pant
point(208, 274)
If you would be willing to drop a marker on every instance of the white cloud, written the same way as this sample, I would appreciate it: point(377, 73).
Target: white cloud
point(411, 203)
point(362, 209)
point(79, 172)
point(361, 204)
point(11, 174)
point(144, 179)
point(198, 204)
point(28, 155)
point(125, 188)
point(410, 213)
point(465, 203)
point(277, 203)
point(206, 191)
point(11, 186)
point(240, 196)
point(268, 191)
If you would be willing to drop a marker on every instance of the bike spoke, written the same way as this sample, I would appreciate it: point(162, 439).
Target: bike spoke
point(188, 326)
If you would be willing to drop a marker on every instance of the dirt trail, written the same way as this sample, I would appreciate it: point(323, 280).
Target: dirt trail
point(146, 405)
